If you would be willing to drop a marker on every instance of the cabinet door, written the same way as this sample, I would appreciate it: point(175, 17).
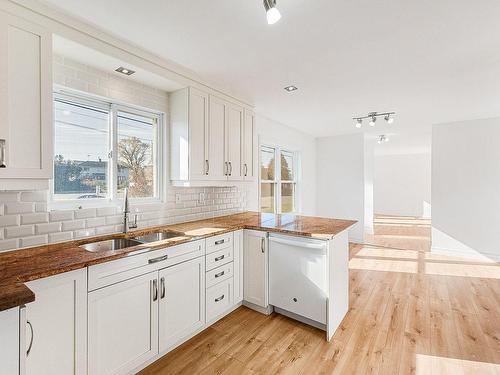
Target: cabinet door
point(234, 131)
point(55, 326)
point(248, 166)
point(198, 134)
point(216, 147)
point(238, 266)
point(182, 302)
point(123, 325)
point(25, 99)
point(255, 276)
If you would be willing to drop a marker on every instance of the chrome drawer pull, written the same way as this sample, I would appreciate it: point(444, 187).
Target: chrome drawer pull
point(219, 299)
point(155, 290)
point(220, 242)
point(162, 288)
point(219, 274)
point(2, 154)
point(219, 258)
point(159, 259)
point(31, 338)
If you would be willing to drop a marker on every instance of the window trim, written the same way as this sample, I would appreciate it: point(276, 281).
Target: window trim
point(113, 107)
point(277, 182)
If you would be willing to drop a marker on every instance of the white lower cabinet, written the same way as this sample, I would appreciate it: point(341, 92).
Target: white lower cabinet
point(123, 325)
point(255, 265)
point(53, 327)
point(219, 299)
point(182, 302)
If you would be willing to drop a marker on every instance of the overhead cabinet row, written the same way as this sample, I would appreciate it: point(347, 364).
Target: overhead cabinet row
point(211, 139)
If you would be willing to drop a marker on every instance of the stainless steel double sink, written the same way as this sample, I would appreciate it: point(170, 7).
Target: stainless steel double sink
point(123, 243)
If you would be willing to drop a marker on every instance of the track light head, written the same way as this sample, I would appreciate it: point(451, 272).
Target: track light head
point(372, 121)
point(273, 15)
point(389, 119)
point(359, 122)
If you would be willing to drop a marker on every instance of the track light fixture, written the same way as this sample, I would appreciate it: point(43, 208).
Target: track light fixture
point(388, 117)
point(382, 139)
point(273, 15)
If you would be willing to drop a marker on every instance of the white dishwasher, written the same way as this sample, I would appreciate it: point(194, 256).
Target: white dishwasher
point(298, 276)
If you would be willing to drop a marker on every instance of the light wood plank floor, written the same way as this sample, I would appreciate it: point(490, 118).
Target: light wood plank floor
point(410, 313)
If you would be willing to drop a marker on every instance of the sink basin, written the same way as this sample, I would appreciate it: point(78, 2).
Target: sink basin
point(113, 244)
point(159, 236)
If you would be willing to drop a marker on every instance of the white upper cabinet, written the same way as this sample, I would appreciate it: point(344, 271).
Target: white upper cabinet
point(25, 100)
point(212, 139)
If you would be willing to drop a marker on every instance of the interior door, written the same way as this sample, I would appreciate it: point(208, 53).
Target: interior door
point(123, 325)
point(182, 302)
point(216, 147)
point(234, 132)
point(199, 166)
point(255, 275)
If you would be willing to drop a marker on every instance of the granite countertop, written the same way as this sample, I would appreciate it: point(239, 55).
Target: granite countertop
point(20, 266)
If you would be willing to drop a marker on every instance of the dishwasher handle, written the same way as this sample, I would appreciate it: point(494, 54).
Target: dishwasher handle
point(308, 245)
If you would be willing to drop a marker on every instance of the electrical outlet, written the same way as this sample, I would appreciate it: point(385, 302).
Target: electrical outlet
point(201, 198)
point(177, 198)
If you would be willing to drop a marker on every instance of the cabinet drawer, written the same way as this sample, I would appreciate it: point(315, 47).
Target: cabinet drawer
point(219, 258)
point(118, 270)
point(219, 242)
point(219, 274)
point(219, 299)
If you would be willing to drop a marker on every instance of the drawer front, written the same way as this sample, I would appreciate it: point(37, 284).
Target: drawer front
point(118, 270)
point(219, 274)
point(219, 258)
point(219, 299)
point(219, 242)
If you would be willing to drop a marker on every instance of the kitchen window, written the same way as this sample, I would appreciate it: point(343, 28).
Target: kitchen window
point(278, 180)
point(101, 148)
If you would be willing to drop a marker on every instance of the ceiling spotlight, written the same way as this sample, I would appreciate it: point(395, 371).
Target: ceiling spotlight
point(372, 121)
point(382, 138)
point(291, 88)
point(372, 116)
point(359, 122)
point(389, 119)
point(273, 15)
point(125, 71)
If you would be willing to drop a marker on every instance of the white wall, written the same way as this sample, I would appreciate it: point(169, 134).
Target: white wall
point(341, 184)
point(272, 132)
point(466, 188)
point(402, 184)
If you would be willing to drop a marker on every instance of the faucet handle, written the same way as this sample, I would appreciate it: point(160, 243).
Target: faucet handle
point(134, 225)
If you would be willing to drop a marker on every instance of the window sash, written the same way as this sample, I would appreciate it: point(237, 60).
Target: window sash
point(113, 109)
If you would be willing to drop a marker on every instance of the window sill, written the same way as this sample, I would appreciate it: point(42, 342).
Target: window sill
point(77, 204)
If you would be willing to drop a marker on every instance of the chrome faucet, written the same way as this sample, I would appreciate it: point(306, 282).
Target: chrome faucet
point(126, 211)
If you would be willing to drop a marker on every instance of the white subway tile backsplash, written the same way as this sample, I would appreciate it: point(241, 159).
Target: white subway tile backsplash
point(48, 228)
point(106, 211)
point(33, 241)
point(60, 237)
point(34, 196)
point(105, 229)
point(19, 208)
point(73, 225)
point(61, 215)
point(84, 233)
point(8, 244)
point(114, 219)
point(9, 196)
point(19, 231)
point(96, 222)
point(39, 217)
point(9, 220)
point(85, 213)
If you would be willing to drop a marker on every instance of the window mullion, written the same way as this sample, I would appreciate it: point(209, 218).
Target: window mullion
point(277, 159)
point(113, 163)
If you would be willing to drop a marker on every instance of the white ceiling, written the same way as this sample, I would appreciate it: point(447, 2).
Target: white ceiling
point(430, 61)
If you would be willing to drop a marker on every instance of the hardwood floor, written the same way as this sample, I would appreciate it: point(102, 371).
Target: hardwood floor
point(410, 313)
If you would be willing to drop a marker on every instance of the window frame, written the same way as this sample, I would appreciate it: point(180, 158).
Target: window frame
point(277, 182)
point(113, 108)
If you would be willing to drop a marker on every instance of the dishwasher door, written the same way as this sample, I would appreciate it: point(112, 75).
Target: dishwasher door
point(298, 277)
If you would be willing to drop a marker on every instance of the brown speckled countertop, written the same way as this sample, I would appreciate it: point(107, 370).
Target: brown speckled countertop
point(20, 266)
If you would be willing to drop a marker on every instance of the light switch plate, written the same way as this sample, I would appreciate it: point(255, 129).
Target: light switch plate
point(177, 198)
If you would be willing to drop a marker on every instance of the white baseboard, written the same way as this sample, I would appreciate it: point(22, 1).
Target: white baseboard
point(483, 257)
point(263, 310)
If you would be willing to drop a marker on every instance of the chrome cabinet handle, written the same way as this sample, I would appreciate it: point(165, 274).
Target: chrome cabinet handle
point(159, 259)
point(219, 258)
point(230, 169)
point(219, 299)
point(220, 242)
point(246, 169)
point(207, 164)
point(2, 153)
point(162, 288)
point(31, 339)
point(219, 274)
point(225, 168)
point(263, 244)
point(155, 290)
